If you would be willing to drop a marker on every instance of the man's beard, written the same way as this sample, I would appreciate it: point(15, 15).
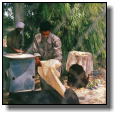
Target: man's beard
point(19, 32)
point(44, 38)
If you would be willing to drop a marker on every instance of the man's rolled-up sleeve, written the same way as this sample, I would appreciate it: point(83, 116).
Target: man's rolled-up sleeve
point(35, 48)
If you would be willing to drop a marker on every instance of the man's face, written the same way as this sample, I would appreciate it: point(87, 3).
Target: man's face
point(45, 34)
point(19, 30)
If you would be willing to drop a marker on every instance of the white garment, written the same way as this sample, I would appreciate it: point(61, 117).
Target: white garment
point(20, 25)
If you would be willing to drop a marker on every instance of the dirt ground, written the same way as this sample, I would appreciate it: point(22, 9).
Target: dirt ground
point(85, 95)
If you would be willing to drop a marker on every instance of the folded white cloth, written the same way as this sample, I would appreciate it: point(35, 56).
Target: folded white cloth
point(20, 25)
point(51, 76)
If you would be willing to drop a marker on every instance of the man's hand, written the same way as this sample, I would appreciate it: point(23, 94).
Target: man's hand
point(37, 62)
point(17, 50)
point(23, 50)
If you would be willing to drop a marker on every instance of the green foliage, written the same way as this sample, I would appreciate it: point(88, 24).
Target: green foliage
point(69, 22)
point(7, 20)
point(93, 83)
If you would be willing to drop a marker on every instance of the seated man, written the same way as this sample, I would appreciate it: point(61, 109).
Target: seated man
point(77, 77)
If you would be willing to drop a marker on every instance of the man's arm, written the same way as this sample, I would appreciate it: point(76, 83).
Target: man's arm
point(35, 48)
point(9, 44)
point(57, 50)
point(36, 53)
point(22, 43)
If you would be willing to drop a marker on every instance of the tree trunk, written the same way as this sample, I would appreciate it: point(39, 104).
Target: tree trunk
point(18, 13)
point(82, 58)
